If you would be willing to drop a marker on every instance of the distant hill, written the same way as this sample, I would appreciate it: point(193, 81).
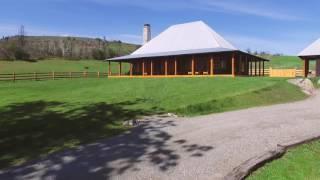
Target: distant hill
point(41, 47)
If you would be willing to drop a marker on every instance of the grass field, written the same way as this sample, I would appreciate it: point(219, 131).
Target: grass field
point(302, 162)
point(38, 118)
point(94, 65)
point(56, 65)
point(287, 62)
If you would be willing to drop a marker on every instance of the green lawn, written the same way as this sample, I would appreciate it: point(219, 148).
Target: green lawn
point(56, 65)
point(302, 162)
point(38, 118)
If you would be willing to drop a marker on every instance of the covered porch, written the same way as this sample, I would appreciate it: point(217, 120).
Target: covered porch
point(306, 65)
point(210, 64)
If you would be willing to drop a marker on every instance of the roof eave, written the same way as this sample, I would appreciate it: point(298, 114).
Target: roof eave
point(309, 56)
point(132, 57)
point(173, 53)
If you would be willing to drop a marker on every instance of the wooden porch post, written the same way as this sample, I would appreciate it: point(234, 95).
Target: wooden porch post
point(151, 68)
point(120, 67)
point(259, 67)
point(255, 67)
point(211, 66)
point(131, 69)
point(109, 68)
point(247, 66)
point(317, 67)
point(166, 67)
point(192, 65)
point(241, 65)
point(251, 67)
point(233, 65)
point(306, 68)
point(263, 68)
point(142, 67)
point(175, 66)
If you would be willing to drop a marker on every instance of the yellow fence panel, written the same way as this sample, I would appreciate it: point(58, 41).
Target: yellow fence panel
point(283, 72)
point(300, 73)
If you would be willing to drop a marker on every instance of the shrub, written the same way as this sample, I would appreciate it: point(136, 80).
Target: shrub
point(98, 54)
point(111, 53)
point(21, 54)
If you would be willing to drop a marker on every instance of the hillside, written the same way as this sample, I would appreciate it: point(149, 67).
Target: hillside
point(41, 47)
point(287, 62)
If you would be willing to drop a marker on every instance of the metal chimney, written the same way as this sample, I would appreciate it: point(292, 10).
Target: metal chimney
point(146, 33)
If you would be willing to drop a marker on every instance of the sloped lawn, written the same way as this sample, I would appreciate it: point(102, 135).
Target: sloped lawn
point(39, 118)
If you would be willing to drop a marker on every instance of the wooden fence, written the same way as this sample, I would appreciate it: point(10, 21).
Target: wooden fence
point(74, 75)
point(291, 73)
point(51, 76)
point(279, 72)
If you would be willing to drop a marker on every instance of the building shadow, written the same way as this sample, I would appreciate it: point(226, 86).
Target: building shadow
point(39, 127)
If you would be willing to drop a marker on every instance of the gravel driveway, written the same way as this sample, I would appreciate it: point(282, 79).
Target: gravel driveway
point(206, 147)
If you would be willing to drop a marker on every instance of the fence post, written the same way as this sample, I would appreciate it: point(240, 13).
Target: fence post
point(53, 74)
point(14, 76)
point(35, 76)
point(70, 75)
point(98, 74)
point(270, 71)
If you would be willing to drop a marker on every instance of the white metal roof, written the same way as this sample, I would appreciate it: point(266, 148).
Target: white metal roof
point(173, 53)
point(312, 50)
point(188, 38)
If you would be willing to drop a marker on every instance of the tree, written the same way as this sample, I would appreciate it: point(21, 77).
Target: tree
point(98, 54)
point(111, 53)
point(21, 54)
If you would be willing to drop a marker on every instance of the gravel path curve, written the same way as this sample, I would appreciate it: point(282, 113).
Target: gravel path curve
point(206, 147)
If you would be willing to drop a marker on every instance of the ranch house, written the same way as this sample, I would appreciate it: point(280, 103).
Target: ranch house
point(191, 49)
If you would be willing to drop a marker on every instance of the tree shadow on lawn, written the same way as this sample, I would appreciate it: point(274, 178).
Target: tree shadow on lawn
point(35, 128)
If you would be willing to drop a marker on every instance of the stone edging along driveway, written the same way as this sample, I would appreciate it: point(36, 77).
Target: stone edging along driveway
point(253, 164)
point(220, 146)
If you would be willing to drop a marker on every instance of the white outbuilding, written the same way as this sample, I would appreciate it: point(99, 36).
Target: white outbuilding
point(311, 53)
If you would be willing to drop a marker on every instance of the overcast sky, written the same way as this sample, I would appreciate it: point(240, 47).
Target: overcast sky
point(277, 26)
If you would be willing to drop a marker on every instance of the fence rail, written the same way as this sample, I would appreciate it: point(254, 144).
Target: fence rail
point(285, 72)
point(279, 72)
point(36, 76)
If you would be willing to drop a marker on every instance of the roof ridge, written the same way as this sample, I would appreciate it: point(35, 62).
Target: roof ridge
point(191, 22)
